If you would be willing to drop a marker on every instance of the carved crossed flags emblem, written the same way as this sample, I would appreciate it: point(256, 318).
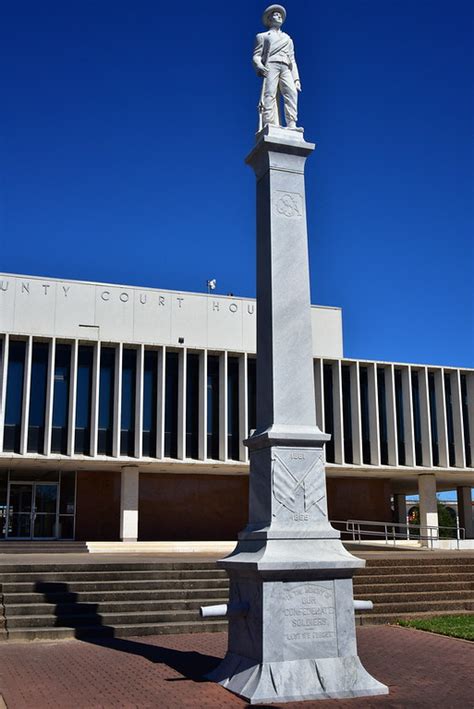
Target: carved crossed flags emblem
point(287, 483)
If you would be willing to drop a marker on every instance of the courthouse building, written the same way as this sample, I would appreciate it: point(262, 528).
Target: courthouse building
point(123, 410)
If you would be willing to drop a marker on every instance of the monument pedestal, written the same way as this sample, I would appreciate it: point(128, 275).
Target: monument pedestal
point(292, 636)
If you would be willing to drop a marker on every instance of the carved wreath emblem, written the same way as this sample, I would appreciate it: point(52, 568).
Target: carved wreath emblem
point(289, 205)
point(287, 483)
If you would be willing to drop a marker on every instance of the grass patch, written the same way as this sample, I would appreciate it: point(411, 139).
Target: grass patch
point(456, 626)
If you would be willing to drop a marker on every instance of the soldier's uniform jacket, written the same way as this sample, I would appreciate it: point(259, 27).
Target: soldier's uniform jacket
point(274, 46)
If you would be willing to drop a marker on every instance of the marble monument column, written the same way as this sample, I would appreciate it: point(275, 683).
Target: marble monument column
point(291, 614)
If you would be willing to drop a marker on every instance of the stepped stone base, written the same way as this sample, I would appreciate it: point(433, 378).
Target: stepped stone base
point(324, 678)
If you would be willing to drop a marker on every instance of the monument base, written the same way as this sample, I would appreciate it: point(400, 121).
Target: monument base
point(295, 637)
point(296, 680)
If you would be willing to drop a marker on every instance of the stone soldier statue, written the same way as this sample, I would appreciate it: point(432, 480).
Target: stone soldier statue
point(274, 59)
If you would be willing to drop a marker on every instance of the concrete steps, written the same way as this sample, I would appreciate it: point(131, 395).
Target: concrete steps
point(119, 598)
point(39, 547)
point(65, 600)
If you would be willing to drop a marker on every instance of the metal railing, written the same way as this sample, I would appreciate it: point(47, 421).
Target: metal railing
point(392, 532)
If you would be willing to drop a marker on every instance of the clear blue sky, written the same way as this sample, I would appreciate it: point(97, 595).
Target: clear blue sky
point(124, 127)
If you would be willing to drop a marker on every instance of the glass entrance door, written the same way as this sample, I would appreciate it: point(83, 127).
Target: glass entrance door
point(32, 511)
point(20, 509)
point(45, 511)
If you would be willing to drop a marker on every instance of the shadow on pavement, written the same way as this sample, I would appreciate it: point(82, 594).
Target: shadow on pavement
point(192, 665)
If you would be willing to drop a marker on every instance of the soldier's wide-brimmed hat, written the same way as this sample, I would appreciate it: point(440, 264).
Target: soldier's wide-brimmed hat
point(267, 14)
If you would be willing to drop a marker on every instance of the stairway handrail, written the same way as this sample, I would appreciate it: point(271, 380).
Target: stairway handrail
point(431, 535)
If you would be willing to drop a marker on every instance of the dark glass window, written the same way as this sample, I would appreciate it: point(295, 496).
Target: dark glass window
point(415, 391)
point(192, 406)
point(150, 388)
point(433, 418)
point(252, 394)
point(213, 407)
point(39, 377)
point(129, 379)
point(364, 412)
point(465, 420)
point(85, 360)
point(14, 398)
point(233, 437)
point(106, 400)
point(347, 413)
point(449, 419)
point(329, 411)
point(382, 396)
point(171, 405)
point(62, 369)
point(400, 419)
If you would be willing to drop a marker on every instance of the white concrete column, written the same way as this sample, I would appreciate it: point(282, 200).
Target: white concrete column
point(374, 428)
point(428, 506)
point(423, 391)
point(392, 440)
point(459, 452)
point(3, 386)
point(441, 418)
point(465, 510)
point(408, 425)
point(202, 406)
point(129, 497)
point(243, 412)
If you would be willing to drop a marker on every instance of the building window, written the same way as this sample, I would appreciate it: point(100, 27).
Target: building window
point(364, 413)
point(129, 381)
point(192, 406)
point(415, 392)
point(14, 398)
point(213, 407)
point(400, 419)
point(449, 419)
point(62, 369)
point(329, 411)
point(39, 377)
point(347, 413)
point(465, 420)
point(382, 395)
point(233, 437)
point(106, 400)
point(433, 418)
point(150, 388)
point(85, 360)
point(171, 405)
point(252, 394)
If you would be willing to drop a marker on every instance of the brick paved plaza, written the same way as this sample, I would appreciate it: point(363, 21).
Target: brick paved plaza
point(421, 670)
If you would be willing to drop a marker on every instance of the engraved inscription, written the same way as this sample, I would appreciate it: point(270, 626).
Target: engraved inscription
point(309, 615)
point(289, 204)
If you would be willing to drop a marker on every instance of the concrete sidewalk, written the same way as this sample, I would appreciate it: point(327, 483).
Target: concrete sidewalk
point(421, 670)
